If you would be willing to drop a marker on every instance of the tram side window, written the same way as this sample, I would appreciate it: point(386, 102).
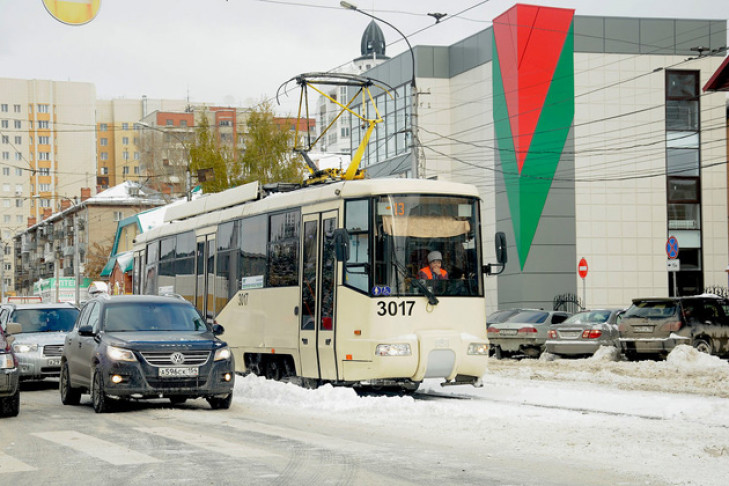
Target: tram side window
point(357, 221)
point(185, 265)
point(226, 272)
point(283, 249)
point(166, 274)
point(253, 237)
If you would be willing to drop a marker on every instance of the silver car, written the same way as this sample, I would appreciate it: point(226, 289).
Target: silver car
point(584, 333)
point(523, 333)
point(39, 343)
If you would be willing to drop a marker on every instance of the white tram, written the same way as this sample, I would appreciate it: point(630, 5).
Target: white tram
point(321, 282)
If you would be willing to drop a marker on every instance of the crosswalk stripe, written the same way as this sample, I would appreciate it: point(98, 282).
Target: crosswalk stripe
point(10, 465)
point(101, 449)
point(206, 442)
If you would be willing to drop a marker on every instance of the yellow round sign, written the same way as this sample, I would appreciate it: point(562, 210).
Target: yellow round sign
point(73, 12)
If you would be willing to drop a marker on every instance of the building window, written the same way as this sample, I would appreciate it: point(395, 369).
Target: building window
point(18, 156)
point(19, 218)
point(104, 156)
point(125, 140)
point(6, 139)
point(6, 171)
point(136, 156)
point(104, 141)
point(45, 203)
point(6, 203)
point(125, 170)
point(18, 203)
point(18, 171)
point(125, 126)
point(43, 124)
point(44, 156)
point(125, 155)
point(18, 124)
point(6, 187)
point(183, 123)
point(136, 170)
point(44, 171)
point(18, 140)
point(6, 155)
point(44, 140)
point(6, 218)
point(43, 108)
point(118, 216)
point(18, 188)
point(169, 123)
point(4, 108)
point(103, 127)
point(4, 123)
point(44, 187)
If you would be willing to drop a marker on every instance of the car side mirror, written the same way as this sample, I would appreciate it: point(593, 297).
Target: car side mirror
point(86, 330)
point(14, 328)
point(218, 329)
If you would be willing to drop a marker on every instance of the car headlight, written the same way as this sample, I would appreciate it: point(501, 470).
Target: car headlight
point(7, 362)
point(25, 348)
point(478, 348)
point(120, 354)
point(222, 353)
point(392, 350)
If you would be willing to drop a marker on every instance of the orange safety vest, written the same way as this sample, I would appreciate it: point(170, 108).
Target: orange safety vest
point(429, 274)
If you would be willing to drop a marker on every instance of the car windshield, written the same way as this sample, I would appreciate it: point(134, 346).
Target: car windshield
point(500, 316)
point(45, 320)
point(533, 317)
point(152, 316)
point(652, 309)
point(592, 317)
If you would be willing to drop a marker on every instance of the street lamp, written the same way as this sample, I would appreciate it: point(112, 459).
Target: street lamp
point(188, 184)
point(417, 170)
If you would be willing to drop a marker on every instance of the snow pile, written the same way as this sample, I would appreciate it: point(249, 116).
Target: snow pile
point(689, 359)
point(606, 353)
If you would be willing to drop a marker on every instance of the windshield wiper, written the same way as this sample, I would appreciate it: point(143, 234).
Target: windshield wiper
point(432, 300)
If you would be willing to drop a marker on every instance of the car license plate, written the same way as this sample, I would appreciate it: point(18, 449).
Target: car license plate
point(643, 328)
point(53, 362)
point(508, 332)
point(177, 372)
point(569, 335)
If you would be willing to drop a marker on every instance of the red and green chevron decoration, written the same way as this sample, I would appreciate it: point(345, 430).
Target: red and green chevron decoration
point(533, 85)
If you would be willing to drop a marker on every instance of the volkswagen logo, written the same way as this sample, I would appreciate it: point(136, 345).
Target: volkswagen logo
point(177, 358)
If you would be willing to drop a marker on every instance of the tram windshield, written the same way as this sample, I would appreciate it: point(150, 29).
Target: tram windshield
point(409, 233)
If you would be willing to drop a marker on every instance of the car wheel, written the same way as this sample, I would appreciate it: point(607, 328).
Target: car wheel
point(220, 403)
point(69, 395)
point(703, 346)
point(177, 400)
point(498, 354)
point(101, 402)
point(10, 406)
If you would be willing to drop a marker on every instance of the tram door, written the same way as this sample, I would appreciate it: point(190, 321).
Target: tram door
point(318, 284)
point(203, 279)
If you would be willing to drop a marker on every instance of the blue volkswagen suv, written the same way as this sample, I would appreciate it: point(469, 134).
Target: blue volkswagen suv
point(140, 347)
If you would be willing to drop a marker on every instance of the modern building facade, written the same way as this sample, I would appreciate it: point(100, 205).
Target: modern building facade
point(589, 137)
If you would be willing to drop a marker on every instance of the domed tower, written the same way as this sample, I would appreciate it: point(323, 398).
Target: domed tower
point(372, 48)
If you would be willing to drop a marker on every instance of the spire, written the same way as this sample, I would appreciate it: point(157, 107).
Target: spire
point(373, 43)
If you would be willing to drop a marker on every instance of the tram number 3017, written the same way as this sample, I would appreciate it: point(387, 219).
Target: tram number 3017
point(392, 308)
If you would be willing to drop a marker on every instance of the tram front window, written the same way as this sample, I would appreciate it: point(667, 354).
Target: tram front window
point(410, 228)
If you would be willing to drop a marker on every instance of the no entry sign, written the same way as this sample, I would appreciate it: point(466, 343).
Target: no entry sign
point(582, 268)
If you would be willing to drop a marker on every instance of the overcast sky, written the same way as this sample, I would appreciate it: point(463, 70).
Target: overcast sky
point(238, 52)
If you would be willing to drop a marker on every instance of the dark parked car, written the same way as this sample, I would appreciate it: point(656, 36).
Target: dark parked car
point(654, 326)
point(137, 347)
point(584, 333)
point(9, 388)
point(38, 343)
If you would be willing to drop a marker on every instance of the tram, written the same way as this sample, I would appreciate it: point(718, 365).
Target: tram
point(321, 282)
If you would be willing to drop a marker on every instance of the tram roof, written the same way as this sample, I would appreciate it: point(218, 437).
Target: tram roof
point(251, 199)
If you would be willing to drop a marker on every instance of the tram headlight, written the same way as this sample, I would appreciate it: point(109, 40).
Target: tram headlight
point(392, 350)
point(478, 348)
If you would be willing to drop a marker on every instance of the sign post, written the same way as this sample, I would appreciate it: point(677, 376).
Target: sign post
point(582, 270)
point(673, 263)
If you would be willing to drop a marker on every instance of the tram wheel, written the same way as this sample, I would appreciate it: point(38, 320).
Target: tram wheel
point(273, 370)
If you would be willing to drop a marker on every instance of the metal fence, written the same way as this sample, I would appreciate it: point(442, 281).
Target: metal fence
point(567, 302)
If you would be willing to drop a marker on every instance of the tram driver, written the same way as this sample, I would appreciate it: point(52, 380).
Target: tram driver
point(434, 270)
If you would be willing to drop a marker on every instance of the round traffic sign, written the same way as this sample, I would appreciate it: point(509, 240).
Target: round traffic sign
point(582, 268)
point(672, 247)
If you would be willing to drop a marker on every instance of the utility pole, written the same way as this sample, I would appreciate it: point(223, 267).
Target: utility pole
point(76, 261)
point(2, 271)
